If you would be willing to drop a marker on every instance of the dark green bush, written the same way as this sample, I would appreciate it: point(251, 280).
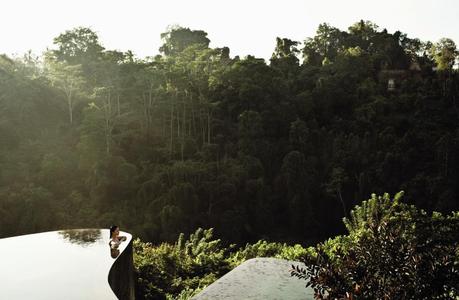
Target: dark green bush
point(166, 270)
point(182, 269)
point(393, 251)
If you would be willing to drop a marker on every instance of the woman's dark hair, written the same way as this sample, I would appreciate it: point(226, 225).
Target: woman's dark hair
point(112, 229)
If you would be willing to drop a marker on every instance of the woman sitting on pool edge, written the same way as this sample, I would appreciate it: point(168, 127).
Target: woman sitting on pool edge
point(115, 239)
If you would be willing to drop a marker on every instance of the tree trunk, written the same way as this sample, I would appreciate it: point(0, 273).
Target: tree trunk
point(183, 129)
point(108, 129)
point(145, 114)
point(193, 122)
point(70, 110)
point(70, 105)
point(118, 104)
point(208, 126)
point(172, 128)
point(150, 106)
point(446, 164)
point(338, 191)
point(178, 121)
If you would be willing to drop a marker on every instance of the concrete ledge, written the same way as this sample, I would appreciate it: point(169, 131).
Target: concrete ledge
point(259, 279)
point(121, 276)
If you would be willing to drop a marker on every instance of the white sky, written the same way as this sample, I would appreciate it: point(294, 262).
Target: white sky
point(246, 26)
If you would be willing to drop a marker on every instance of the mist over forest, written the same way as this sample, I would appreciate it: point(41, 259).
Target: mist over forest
point(195, 137)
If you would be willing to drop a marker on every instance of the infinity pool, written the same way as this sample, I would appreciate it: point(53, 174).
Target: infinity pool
point(67, 264)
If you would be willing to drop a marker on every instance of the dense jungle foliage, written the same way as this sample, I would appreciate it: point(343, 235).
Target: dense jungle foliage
point(193, 137)
point(182, 269)
point(388, 243)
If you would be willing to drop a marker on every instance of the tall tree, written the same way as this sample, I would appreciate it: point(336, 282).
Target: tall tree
point(80, 46)
point(178, 39)
point(69, 80)
point(77, 46)
point(445, 54)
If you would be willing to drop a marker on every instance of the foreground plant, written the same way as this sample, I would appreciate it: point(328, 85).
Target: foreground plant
point(393, 251)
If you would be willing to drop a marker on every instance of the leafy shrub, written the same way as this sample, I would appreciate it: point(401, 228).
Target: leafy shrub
point(183, 269)
point(263, 248)
point(168, 270)
point(393, 251)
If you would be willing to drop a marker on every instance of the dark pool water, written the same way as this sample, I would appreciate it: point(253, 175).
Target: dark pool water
point(67, 264)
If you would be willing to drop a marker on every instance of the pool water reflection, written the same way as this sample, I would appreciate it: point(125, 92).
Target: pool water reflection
point(68, 264)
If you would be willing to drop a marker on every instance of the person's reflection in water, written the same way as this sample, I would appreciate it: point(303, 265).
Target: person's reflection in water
point(115, 241)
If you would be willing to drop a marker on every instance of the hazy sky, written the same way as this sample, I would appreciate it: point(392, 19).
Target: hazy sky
point(246, 26)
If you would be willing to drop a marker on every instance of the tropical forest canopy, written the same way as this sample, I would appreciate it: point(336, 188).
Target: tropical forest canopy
point(194, 137)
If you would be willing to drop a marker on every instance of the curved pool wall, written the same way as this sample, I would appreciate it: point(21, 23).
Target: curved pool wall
point(67, 264)
point(121, 276)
